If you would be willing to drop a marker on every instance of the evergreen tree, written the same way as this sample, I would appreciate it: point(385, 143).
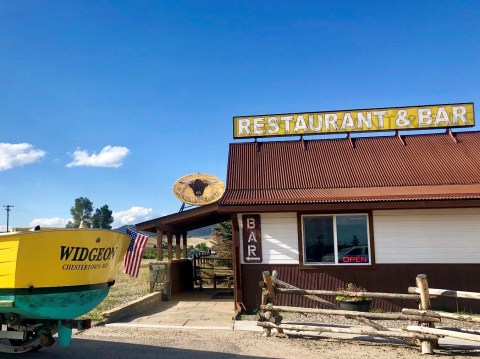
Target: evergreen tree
point(82, 215)
point(355, 241)
point(222, 239)
point(102, 218)
point(81, 212)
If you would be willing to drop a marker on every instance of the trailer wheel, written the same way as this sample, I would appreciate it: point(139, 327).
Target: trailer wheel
point(31, 337)
point(18, 346)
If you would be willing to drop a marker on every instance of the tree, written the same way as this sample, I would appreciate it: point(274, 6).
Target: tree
point(222, 239)
point(201, 247)
point(355, 241)
point(102, 218)
point(81, 212)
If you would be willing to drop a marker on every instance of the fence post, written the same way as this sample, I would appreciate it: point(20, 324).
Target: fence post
point(422, 284)
point(268, 297)
point(197, 276)
point(276, 314)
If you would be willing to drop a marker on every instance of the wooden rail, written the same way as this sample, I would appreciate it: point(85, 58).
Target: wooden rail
point(424, 332)
point(208, 267)
point(350, 294)
point(447, 293)
point(351, 314)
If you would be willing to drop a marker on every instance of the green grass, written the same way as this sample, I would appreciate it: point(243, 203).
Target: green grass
point(124, 290)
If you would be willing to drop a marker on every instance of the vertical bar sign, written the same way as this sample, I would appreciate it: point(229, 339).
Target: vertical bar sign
point(252, 238)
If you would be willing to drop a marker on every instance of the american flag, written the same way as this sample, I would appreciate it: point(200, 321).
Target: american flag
point(133, 257)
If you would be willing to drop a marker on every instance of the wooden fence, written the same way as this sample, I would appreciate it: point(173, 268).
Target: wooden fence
point(424, 333)
point(207, 267)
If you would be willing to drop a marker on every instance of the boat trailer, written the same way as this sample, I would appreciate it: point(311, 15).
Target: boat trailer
point(18, 335)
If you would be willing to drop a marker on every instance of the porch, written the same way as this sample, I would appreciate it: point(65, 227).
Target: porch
point(206, 309)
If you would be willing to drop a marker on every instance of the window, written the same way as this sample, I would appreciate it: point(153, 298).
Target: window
point(336, 239)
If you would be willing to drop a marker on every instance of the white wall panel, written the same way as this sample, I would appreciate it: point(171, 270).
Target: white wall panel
point(279, 238)
point(427, 235)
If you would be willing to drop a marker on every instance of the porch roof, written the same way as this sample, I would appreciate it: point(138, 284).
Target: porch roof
point(185, 221)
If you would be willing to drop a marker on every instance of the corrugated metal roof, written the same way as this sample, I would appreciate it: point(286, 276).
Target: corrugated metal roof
point(185, 221)
point(428, 166)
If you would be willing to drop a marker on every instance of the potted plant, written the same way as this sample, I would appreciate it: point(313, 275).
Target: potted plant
point(350, 302)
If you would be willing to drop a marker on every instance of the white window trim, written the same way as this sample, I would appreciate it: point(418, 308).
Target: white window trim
point(334, 215)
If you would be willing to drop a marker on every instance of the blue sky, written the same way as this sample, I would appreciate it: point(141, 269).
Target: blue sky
point(116, 100)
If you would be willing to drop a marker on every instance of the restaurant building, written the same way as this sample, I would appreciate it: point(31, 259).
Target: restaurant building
point(375, 211)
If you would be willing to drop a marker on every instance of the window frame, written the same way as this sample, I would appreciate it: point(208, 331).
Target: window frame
point(302, 246)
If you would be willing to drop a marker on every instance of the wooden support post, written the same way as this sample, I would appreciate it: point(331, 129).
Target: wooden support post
point(268, 296)
point(185, 247)
point(267, 332)
point(264, 297)
point(170, 246)
point(159, 245)
point(268, 281)
point(237, 279)
point(422, 284)
point(177, 246)
point(276, 314)
point(272, 316)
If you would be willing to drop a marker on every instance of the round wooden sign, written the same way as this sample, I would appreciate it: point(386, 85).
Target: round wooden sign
point(198, 189)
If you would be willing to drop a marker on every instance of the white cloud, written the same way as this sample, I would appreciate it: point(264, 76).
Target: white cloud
point(3, 228)
point(131, 216)
point(109, 156)
point(49, 222)
point(19, 154)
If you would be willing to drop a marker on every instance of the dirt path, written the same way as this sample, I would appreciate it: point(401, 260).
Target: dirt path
point(131, 343)
point(231, 344)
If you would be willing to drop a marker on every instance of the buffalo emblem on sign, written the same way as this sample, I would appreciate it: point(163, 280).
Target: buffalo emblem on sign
point(198, 189)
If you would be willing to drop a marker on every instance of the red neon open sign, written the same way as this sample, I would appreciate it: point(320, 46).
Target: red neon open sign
point(354, 259)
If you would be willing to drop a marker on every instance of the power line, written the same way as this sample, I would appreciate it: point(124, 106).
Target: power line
point(7, 208)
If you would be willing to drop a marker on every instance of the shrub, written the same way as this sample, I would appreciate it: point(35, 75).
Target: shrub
point(352, 287)
point(150, 253)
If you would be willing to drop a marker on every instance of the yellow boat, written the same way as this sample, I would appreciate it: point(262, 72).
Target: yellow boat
point(49, 277)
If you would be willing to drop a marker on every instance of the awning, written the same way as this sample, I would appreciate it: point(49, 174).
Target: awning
point(185, 221)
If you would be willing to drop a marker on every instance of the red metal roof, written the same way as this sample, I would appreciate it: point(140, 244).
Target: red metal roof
point(414, 167)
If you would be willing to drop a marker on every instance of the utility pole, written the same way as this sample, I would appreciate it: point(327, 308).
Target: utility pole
point(7, 208)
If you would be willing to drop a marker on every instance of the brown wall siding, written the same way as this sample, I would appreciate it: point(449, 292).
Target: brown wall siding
point(181, 274)
point(387, 278)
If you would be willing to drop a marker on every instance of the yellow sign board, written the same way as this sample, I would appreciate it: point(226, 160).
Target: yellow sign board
point(365, 120)
point(198, 189)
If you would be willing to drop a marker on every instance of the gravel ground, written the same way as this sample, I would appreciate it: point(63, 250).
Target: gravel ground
point(236, 344)
point(248, 344)
point(399, 324)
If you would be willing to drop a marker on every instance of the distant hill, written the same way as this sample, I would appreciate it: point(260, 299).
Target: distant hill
point(205, 232)
point(197, 236)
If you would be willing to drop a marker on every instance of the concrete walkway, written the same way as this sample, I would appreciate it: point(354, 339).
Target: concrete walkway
point(188, 310)
point(204, 310)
